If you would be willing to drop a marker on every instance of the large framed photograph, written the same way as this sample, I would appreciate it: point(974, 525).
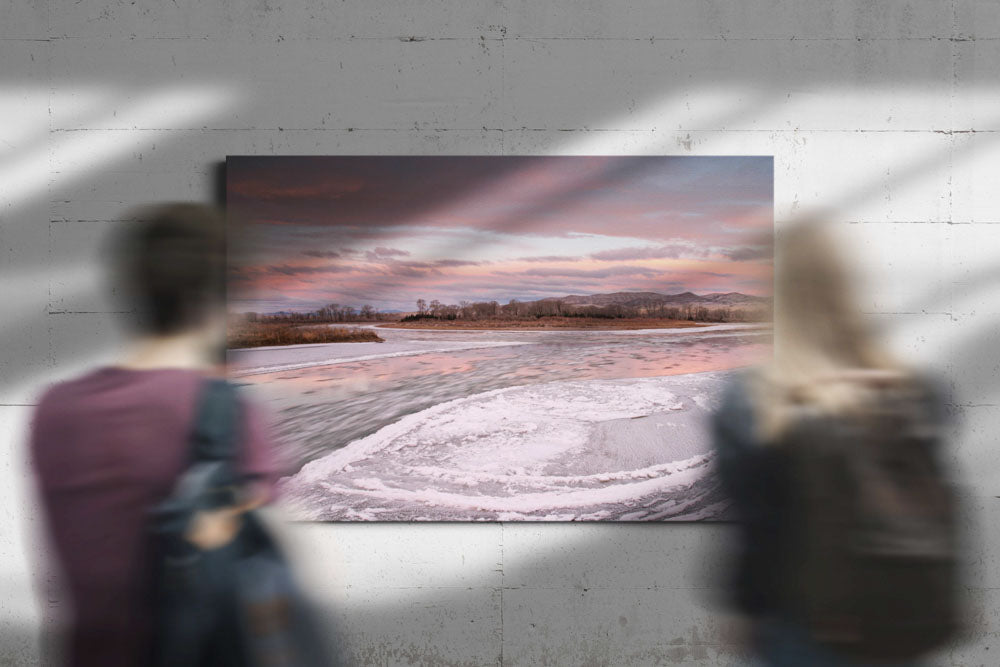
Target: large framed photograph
point(497, 338)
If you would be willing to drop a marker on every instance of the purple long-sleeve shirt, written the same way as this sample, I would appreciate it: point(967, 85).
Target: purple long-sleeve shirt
point(106, 447)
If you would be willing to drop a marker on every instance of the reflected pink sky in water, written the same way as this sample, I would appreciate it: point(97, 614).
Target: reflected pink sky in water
point(643, 360)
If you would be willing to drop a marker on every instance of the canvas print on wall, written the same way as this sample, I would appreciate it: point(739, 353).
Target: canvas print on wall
point(497, 338)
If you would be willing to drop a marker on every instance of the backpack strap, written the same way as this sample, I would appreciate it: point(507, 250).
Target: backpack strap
point(214, 435)
point(213, 444)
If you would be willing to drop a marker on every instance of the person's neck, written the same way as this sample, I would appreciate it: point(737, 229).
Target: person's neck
point(181, 350)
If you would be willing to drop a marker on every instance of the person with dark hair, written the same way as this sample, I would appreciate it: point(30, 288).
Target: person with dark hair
point(110, 445)
point(171, 265)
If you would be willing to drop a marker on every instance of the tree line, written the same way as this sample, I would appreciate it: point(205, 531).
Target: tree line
point(330, 313)
point(514, 309)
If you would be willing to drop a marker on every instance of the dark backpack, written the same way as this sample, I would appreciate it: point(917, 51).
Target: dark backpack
point(873, 560)
point(237, 605)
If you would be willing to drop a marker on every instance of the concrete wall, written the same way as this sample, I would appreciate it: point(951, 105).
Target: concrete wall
point(884, 113)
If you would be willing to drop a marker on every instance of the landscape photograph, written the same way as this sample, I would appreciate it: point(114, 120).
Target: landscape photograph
point(497, 338)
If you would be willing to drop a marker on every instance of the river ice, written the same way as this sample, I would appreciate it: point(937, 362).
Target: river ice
point(501, 425)
point(633, 449)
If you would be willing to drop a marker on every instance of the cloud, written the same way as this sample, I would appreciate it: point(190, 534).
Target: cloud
point(714, 274)
point(551, 272)
point(409, 268)
point(391, 252)
point(550, 258)
point(661, 215)
point(381, 253)
point(651, 197)
point(395, 267)
point(325, 254)
point(672, 251)
point(287, 270)
point(456, 262)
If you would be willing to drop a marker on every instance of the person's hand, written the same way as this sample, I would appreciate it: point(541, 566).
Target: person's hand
point(211, 529)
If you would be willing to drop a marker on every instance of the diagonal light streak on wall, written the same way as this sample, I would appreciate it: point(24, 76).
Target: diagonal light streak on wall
point(82, 152)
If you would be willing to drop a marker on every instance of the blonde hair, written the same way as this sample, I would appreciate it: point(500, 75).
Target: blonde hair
point(825, 354)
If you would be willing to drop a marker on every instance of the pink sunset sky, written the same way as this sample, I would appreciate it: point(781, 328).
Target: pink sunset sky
point(386, 231)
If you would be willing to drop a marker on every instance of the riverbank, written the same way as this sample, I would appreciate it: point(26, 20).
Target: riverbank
point(267, 334)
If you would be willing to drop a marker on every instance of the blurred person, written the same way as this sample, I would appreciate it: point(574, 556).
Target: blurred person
point(110, 445)
point(847, 548)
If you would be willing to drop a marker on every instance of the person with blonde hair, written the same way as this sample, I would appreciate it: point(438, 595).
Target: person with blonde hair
point(830, 453)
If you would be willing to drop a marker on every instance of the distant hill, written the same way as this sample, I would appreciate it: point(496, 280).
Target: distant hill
point(640, 299)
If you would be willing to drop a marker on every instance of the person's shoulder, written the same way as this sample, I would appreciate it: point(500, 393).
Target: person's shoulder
point(59, 392)
point(59, 404)
point(114, 382)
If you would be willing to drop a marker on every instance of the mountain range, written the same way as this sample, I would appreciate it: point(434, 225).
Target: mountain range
point(655, 298)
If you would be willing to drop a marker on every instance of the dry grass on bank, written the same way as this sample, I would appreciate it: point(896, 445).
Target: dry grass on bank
point(259, 334)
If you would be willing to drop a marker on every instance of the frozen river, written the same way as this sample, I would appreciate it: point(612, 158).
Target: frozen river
point(508, 425)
